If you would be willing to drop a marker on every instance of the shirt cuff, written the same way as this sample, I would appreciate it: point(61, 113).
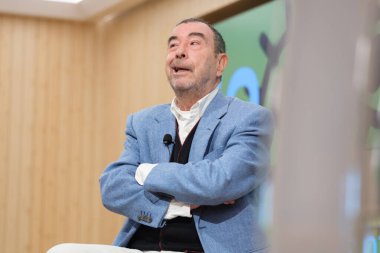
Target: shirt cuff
point(143, 171)
point(176, 209)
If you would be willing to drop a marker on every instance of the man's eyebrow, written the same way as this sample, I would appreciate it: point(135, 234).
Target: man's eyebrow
point(197, 34)
point(172, 38)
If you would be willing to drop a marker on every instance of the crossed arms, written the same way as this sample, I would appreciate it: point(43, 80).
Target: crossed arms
point(232, 168)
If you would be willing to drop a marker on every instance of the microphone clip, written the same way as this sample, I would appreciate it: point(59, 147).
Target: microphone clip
point(167, 140)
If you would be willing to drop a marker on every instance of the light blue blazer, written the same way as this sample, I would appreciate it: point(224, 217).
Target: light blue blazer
point(228, 160)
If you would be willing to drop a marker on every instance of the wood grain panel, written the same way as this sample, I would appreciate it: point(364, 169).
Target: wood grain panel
point(65, 91)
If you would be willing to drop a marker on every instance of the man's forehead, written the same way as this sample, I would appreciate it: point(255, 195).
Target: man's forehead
point(192, 29)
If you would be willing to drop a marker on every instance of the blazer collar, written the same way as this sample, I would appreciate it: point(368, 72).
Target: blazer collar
point(164, 123)
point(207, 124)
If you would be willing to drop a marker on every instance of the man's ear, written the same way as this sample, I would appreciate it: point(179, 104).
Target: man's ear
point(222, 64)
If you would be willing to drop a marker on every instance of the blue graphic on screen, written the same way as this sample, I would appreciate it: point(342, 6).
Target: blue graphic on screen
point(246, 78)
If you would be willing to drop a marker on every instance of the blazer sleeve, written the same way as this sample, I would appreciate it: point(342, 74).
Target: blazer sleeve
point(123, 195)
point(226, 173)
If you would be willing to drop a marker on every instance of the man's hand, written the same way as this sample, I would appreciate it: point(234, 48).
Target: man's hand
point(228, 202)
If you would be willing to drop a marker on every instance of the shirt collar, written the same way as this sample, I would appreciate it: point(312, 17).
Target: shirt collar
point(196, 110)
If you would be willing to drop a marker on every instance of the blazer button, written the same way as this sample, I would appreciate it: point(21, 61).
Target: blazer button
point(145, 217)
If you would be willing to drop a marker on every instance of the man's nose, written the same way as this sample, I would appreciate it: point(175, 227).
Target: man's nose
point(181, 52)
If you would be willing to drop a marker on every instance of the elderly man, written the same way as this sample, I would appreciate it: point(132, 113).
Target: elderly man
point(189, 175)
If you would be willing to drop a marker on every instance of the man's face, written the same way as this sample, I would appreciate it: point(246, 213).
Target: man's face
point(191, 63)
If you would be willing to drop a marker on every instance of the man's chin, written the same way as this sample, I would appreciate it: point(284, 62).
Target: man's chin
point(181, 87)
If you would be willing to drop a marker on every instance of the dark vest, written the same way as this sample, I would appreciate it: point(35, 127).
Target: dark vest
point(178, 234)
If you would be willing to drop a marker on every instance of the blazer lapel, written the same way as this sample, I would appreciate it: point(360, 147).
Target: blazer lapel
point(207, 124)
point(164, 123)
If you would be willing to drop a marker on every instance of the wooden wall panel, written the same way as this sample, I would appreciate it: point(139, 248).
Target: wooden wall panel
point(65, 91)
point(51, 143)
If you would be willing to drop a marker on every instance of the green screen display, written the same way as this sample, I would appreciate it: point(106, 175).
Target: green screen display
point(254, 42)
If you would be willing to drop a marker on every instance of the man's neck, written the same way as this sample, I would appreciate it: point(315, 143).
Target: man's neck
point(185, 103)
